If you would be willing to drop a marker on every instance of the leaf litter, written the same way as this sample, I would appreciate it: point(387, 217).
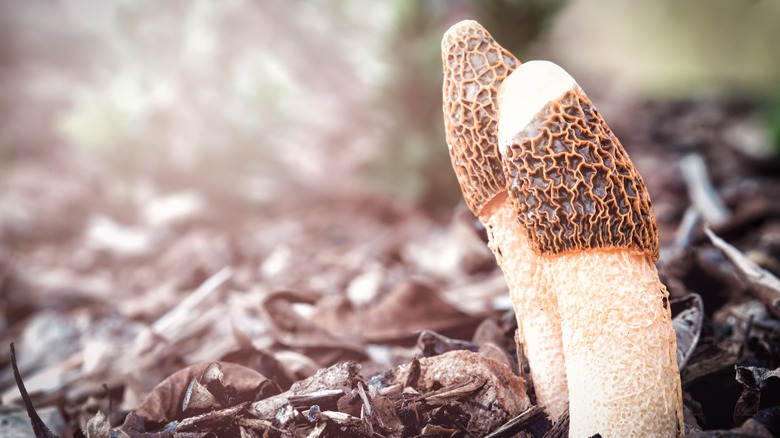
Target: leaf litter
point(358, 314)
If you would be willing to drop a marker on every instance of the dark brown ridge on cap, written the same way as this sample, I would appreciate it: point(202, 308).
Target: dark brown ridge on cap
point(474, 66)
point(574, 185)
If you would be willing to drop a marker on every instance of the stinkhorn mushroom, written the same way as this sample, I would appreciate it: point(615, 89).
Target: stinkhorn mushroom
point(587, 215)
point(474, 67)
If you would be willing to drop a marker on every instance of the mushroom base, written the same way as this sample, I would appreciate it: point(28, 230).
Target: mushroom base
point(618, 341)
point(539, 327)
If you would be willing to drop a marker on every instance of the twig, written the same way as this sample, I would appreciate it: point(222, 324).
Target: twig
point(685, 231)
point(703, 196)
point(38, 426)
point(183, 312)
point(763, 283)
point(519, 423)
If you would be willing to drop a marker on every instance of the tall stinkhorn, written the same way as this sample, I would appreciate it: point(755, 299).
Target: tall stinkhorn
point(474, 67)
point(587, 215)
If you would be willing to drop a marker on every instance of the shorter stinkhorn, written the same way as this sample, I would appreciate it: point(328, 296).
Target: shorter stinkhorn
point(588, 217)
point(474, 67)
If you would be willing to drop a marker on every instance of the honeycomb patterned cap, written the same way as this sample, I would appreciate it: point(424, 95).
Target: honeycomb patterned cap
point(571, 182)
point(474, 66)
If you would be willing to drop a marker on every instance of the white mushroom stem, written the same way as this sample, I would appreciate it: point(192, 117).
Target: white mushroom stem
point(588, 218)
point(619, 344)
point(538, 325)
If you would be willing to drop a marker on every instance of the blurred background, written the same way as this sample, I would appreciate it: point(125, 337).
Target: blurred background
point(256, 100)
point(256, 180)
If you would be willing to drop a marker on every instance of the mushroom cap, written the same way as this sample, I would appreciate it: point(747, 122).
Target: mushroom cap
point(540, 82)
point(572, 182)
point(474, 66)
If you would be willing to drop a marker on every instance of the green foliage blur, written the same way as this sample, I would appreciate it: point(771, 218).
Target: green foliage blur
point(771, 111)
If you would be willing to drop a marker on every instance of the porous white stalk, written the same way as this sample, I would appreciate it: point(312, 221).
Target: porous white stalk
point(619, 343)
point(538, 325)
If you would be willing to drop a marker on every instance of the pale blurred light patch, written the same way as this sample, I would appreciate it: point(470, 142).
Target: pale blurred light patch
point(278, 91)
point(670, 48)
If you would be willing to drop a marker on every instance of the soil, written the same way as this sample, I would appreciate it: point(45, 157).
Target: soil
point(307, 304)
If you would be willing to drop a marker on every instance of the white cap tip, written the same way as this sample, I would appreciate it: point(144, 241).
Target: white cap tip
point(525, 92)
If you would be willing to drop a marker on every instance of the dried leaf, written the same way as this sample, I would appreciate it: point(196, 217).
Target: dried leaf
point(198, 399)
point(328, 384)
point(765, 424)
point(755, 377)
point(341, 375)
point(98, 426)
point(687, 326)
point(384, 416)
point(284, 325)
point(164, 403)
point(753, 380)
point(481, 389)
point(410, 307)
point(431, 343)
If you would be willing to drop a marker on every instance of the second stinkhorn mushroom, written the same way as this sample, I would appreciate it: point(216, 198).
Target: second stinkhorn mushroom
point(474, 67)
point(588, 217)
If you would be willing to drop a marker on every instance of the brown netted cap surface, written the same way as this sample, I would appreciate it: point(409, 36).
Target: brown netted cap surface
point(574, 184)
point(474, 66)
